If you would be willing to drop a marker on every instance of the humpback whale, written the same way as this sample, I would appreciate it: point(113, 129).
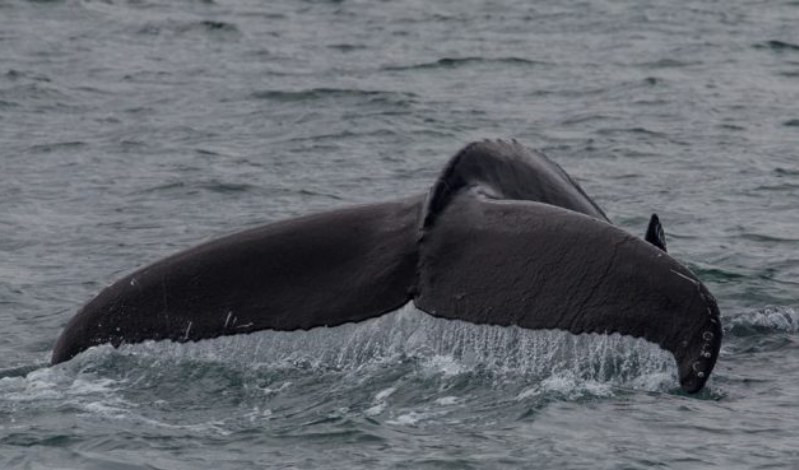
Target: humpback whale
point(504, 237)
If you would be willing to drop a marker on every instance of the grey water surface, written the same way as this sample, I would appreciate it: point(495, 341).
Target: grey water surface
point(131, 129)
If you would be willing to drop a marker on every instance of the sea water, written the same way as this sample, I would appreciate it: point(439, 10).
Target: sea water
point(131, 129)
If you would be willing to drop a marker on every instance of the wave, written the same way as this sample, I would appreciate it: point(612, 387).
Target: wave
point(666, 63)
point(778, 46)
point(456, 62)
point(378, 96)
point(191, 187)
point(765, 321)
point(210, 27)
point(21, 371)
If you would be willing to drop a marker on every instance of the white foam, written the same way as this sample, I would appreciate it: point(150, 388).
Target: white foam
point(778, 319)
point(54, 383)
point(257, 414)
point(380, 401)
point(447, 401)
point(432, 345)
point(383, 394)
point(376, 409)
point(445, 365)
point(408, 419)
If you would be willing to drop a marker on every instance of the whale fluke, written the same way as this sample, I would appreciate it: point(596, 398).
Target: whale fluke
point(544, 267)
point(504, 237)
point(320, 270)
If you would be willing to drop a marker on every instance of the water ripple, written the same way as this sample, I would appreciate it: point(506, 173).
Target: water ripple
point(457, 62)
point(778, 46)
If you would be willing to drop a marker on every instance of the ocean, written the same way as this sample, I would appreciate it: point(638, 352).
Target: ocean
point(132, 129)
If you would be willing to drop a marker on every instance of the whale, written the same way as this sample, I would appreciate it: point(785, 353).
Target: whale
point(503, 237)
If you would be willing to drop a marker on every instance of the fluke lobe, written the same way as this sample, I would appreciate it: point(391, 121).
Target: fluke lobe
point(504, 237)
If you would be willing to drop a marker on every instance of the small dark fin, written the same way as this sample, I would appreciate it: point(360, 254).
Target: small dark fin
point(498, 169)
point(654, 233)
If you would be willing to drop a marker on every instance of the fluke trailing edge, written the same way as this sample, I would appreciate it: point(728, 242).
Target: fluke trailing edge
point(504, 237)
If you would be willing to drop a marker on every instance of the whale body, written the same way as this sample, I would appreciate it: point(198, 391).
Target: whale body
point(504, 237)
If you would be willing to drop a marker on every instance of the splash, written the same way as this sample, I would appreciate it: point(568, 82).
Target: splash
point(433, 346)
point(767, 320)
point(406, 368)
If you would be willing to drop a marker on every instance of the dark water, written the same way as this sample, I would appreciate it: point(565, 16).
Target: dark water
point(132, 129)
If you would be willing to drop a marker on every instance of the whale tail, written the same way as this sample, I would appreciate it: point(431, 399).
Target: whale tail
point(504, 237)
